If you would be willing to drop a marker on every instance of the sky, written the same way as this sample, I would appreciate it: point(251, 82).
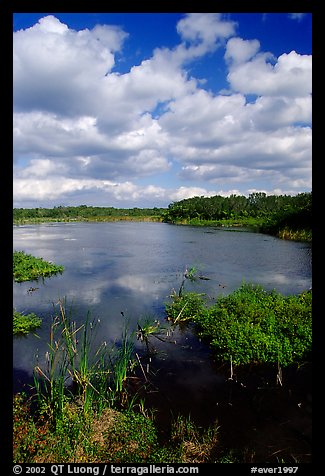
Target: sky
point(145, 109)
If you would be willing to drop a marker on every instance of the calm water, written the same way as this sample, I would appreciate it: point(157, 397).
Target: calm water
point(131, 268)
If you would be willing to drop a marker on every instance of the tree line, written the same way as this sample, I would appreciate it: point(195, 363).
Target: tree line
point(82, 212)
point(270, 211)
point(257, 205)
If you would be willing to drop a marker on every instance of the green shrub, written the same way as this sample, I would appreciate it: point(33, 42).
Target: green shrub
point(29, 268)
point(185, 307)
point(23, 324)
point(251, 325)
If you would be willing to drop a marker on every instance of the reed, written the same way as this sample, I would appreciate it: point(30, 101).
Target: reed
point(121, 361)
point(74, 368)
point(149, 327)
point(50, 381)
point(287, 233)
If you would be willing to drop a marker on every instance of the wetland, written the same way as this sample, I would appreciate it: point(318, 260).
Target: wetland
point(125, 273)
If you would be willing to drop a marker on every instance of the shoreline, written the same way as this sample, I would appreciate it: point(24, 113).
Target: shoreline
point(252, 225)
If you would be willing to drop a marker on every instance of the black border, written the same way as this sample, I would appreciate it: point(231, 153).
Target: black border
point(7, 8)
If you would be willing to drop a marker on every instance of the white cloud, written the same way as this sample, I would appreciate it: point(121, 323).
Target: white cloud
point(205, 30)
point(290, 76)
point(51, 24)
point(271, 113)
point(50, 134)
point(54, 66)
point(42, 167)
point(106, 192)
point(84, 131)
point(239, 50)
point(189, 192)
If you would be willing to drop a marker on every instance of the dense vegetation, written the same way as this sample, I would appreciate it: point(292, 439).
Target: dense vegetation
point(96, 418)
point(84, 213)
point(251, 325)
point(89, 405)
point(25, 323)
point(282, 215)
point(257, 205)
point(286, 216)
point(29, 268)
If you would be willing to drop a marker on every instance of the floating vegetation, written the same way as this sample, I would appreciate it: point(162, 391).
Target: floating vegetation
point(23, 324)
point(30, 268)
point(250, 325)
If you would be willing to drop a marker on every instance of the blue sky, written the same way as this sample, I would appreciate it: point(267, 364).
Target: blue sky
point(143, 109)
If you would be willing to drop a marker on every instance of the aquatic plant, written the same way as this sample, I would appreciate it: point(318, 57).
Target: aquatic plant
point(23, 324)
point(287, 233)
point(27, 267)
point(74, 368)
point(251, 324)
point(184, 308)
point(150, 327)
point(82, 415)
point(121, 360)
point(192, 274)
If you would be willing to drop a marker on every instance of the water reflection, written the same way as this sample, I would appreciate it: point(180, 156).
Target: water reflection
point(133, 267)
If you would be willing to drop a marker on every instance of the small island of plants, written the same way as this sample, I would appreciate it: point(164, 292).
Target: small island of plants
point(23, 324)
point(250, 325)
point(29, 268)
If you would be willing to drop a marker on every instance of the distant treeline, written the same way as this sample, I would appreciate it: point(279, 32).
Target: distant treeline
point(274, 214)
point(257, 205)
point(82, 212)
point(281, 215)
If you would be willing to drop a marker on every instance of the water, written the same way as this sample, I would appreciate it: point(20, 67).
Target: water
point(124, 271)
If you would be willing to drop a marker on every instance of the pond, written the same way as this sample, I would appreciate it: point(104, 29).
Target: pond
point(125, 271)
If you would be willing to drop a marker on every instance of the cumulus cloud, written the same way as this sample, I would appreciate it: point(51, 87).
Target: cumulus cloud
point(54, 66)
point(204, 32)
point(239, 50)
point(82, 130)
point(289, 75)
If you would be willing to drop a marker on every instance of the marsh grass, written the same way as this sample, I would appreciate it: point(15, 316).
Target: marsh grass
point(149, 327)
point(287, 233)
point(112, 436)
point(195, 444)
point(75, 369)
point(85, 412)
point(121, 362)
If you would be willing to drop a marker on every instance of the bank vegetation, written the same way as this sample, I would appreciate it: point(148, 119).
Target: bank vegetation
point(88, 401)
point(285, 216)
